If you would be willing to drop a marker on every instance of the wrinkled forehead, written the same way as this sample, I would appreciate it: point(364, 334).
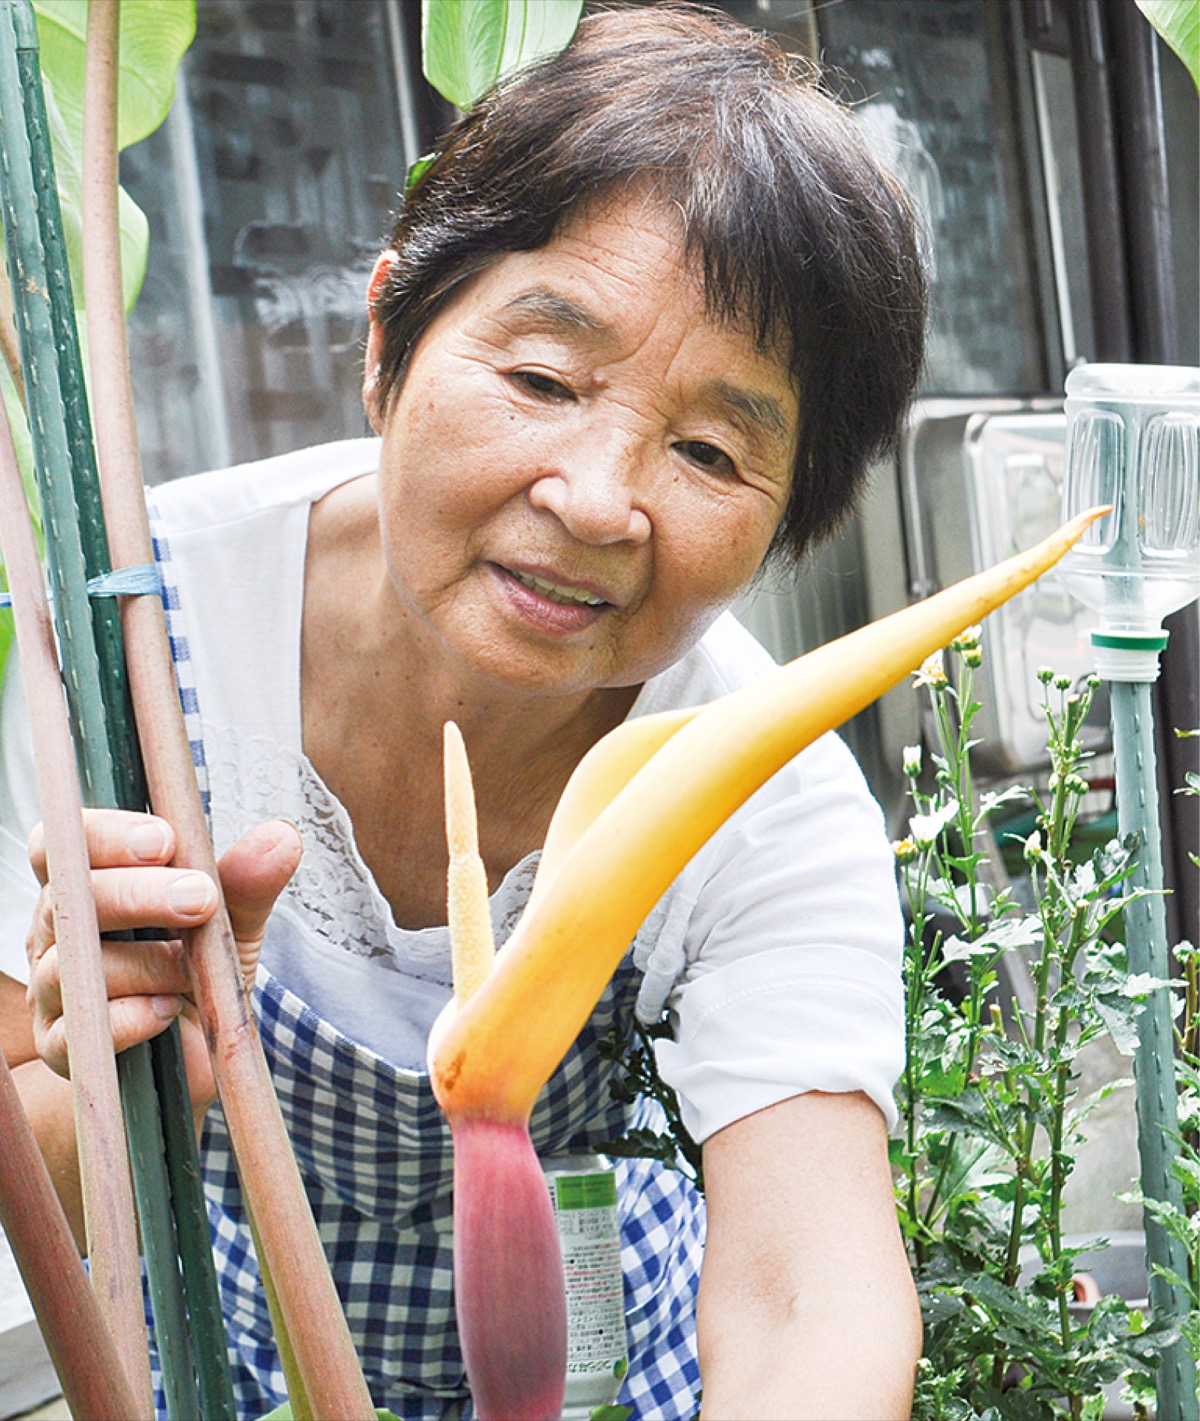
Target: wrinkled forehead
point(648, 209)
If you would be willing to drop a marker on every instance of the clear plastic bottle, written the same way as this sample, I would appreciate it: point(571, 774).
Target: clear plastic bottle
point(1133, 441)
point(583, 1190)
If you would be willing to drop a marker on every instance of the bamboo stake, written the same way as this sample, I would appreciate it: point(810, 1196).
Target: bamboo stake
point(311, 1311)
point(77, 1338)
point(104, 1173)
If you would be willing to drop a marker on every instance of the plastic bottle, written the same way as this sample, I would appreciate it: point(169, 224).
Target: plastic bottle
point(1133, 441)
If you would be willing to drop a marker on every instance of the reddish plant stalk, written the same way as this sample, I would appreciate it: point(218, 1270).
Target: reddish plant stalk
point(311, 1310)
point(77, 1337)
point(99, 1126)
point(508, 1274)
point(509, 1291)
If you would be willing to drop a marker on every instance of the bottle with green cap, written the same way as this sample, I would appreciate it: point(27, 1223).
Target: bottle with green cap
point(1133, 441)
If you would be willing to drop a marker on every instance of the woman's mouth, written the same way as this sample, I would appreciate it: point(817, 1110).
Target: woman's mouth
point(548, 605)
point(558, 592)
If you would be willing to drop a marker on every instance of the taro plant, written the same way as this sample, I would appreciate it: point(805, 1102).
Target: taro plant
point(991, 1110)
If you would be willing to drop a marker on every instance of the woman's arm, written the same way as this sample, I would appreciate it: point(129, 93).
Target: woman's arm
point(807, 1307)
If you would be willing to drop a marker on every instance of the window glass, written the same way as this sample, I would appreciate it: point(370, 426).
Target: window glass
point(268, 191)
point(929, 82)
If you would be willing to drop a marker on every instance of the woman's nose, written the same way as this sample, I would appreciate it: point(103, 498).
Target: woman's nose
point(597, 493)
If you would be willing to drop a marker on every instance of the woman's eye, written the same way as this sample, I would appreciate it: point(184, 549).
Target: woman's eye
point(708, 456)
point(544, 385)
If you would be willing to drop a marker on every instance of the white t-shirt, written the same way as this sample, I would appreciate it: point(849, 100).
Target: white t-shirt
point(777, 949)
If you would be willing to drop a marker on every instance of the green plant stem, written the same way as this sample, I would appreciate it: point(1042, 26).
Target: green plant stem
point(37, 269)
point(914, 996)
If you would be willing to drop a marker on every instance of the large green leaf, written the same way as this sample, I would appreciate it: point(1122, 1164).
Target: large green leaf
point(155, 35)
point(68, 172)
point(466, 45)
point(1178, 21)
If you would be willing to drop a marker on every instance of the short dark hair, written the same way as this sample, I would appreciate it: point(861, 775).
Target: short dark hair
point(800, 236)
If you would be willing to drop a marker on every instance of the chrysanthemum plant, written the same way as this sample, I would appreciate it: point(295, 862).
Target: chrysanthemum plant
point(992, 1114)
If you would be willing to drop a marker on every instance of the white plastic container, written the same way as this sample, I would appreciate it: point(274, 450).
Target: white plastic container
point(583, 1191)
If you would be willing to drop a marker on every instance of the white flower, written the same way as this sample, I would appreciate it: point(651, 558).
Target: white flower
point(925, 828)
point(932, 672)
point(912, 761)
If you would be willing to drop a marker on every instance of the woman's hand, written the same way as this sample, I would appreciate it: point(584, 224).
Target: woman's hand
point(134, 887)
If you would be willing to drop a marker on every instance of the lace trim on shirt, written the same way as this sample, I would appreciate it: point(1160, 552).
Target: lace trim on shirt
point(333, 891)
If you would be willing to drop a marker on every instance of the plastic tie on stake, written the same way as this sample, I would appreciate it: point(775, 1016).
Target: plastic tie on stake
point(139, 581)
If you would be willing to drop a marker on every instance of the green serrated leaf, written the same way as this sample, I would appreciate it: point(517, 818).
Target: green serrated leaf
point(417, 172)
point(467, 45)
point(1178, 22)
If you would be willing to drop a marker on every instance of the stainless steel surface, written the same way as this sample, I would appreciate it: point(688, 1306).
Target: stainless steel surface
point(980, 481)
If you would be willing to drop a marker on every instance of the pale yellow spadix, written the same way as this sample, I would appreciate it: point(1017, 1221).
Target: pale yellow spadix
point(491, 1056)
point(468, 912)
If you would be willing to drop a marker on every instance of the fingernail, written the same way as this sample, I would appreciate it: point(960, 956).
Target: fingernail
point(148, 842)
point(191, 893)
point(166, 1008)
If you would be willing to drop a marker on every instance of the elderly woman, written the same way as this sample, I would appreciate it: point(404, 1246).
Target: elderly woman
point(641, 325)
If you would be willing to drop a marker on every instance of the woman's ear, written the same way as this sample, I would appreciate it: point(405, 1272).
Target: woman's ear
point(380, 272)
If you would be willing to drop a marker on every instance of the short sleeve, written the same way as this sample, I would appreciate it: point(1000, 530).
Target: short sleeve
point(19, 812)
point(793, 948)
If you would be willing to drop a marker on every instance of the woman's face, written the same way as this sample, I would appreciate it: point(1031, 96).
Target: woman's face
point(581, 469)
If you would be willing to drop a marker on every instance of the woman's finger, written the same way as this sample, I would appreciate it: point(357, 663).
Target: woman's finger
point(130, 969)
point(117, 838)
point(166, 898)
point(253, 874)
point(133, 1020)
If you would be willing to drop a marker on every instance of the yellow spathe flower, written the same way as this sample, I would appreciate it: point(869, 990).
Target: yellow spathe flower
point(639, 805)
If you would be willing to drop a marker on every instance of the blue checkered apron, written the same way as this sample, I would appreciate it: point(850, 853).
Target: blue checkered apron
point(375, 1156)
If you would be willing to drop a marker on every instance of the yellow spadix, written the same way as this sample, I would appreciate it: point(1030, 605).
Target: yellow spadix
point(641, 803)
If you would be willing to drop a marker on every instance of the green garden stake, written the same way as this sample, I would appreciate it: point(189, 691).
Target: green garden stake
point(1133, 441)
point(110, 767)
